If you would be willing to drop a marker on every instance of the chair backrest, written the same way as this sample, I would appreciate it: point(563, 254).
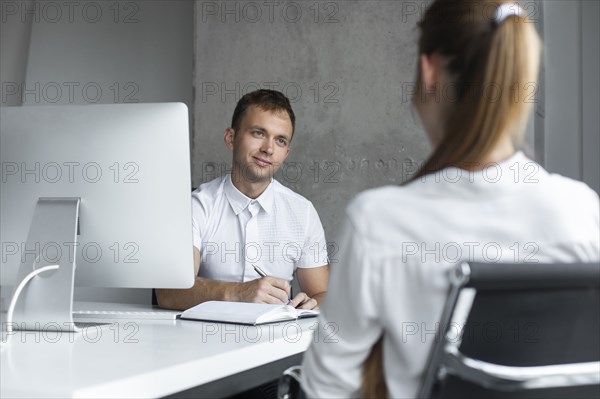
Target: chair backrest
point(504, 325)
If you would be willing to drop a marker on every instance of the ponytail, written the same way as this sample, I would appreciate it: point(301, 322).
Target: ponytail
point(373, 379)
point(494, 63)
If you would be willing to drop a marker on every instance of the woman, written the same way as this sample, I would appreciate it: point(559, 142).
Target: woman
point(475, 198)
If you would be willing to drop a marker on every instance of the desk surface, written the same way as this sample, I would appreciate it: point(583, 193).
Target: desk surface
point(141, 358)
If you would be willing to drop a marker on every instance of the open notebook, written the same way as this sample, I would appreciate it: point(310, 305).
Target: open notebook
point(245, 313)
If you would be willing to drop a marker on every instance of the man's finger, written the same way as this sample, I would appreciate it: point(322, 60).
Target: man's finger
point(273, 300)
point(309, 304)
point(299, 299)
point(279, 283)
point(280, 295)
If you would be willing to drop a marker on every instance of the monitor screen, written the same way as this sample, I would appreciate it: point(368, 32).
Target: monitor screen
point(129, 164)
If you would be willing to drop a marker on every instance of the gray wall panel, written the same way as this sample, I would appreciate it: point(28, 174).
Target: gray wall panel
point(15, 33)
point(563, 91)
point(590, 36)
point(112, 52)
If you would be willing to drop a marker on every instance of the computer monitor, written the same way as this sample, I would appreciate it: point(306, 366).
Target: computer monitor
point(115, 179)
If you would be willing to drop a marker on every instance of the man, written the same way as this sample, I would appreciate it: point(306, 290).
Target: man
point(246, 223)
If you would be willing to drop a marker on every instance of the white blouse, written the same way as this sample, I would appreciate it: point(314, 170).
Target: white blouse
point(398, 242)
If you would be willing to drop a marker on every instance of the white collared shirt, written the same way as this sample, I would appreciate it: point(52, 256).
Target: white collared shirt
point(279, 231)
point(398, 242)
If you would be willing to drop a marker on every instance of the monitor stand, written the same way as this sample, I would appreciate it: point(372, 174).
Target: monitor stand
point(43, 296)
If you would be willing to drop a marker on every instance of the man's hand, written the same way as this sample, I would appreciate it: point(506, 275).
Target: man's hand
point(303, 301)
point(263, 290)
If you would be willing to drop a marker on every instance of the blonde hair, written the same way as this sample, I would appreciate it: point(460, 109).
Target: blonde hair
point(482, 54)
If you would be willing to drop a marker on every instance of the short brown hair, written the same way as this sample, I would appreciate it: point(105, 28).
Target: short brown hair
point(267, 100)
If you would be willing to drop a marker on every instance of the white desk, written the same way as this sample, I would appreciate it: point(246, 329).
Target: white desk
point(142, 358)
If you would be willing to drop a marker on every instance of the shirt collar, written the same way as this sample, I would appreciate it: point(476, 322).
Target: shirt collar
point(239, 201)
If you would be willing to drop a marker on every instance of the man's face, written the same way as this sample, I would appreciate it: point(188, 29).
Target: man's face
point(261, 143)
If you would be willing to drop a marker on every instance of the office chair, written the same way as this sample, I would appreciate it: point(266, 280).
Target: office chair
point(512, 330)
point(518, 331)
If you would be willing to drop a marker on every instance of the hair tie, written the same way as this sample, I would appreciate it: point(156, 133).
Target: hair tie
point(506, 10)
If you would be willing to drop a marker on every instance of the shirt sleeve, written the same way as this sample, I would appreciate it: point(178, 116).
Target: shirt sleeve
point(314, 249)
point(348, 324)
point(199, 220)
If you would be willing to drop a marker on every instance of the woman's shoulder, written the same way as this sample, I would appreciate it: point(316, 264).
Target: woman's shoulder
point(379, 209)
point(560, 183)
point(568, 193)
point(572, 197)
point(377, 200)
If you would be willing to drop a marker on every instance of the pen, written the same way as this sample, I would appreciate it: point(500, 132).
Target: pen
point(263, 274)
point(259, 271)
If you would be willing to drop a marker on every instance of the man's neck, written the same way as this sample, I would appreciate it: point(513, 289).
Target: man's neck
point(251, 189)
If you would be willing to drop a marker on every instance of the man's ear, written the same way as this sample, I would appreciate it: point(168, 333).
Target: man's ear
point(229, 137)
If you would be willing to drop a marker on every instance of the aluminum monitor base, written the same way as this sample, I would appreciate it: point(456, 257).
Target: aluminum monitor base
point(43, 296)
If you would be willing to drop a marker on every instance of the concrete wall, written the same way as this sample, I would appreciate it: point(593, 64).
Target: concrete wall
point(348, 68)
point(590, 87)
point(572, 133)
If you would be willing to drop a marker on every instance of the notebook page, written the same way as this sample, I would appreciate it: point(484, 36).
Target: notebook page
point(236, 312)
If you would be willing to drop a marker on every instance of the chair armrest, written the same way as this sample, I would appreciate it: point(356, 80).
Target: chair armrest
point(508, 378)
point(288, 386)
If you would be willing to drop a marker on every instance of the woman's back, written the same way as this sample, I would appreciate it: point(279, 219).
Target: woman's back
point(399, 242)
point(482, 215)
